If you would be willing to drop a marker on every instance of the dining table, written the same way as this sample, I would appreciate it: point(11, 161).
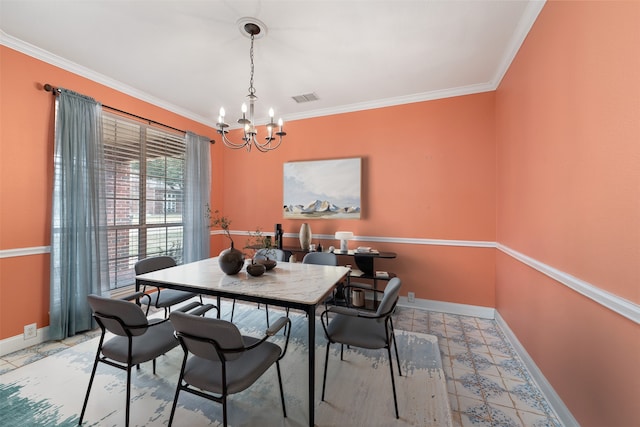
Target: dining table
point(289, 285)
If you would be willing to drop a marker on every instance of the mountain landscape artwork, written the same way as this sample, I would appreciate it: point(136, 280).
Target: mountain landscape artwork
point(328, 189)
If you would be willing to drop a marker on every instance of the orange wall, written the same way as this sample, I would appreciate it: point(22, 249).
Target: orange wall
point(425, 176)
point(26, 153)
point(428, 173)
point(551, 157)
point(568, 143)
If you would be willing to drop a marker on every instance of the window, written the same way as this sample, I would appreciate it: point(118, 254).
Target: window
point(145, 185)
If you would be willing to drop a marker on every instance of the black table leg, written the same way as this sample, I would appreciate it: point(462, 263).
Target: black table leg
point(311, 318)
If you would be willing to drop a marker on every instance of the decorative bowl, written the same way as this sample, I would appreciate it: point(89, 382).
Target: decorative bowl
point(256, 269)
point(268, 263)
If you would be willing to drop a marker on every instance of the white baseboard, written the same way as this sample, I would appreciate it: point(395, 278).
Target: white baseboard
point(449, 307)
point(563, 413)
point(11, 344)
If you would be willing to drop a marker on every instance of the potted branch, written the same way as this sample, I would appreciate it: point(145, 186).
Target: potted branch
point(264, 252)
point(231, 260)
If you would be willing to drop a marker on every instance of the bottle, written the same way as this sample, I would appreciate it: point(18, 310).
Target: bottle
point(319, 247)
point(278, 236)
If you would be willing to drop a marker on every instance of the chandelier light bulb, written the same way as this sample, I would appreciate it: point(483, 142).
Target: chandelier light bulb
point(271, 113)
point(244, 108)
point(221, 113)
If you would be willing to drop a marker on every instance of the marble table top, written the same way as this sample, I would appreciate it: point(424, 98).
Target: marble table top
point(306, 284)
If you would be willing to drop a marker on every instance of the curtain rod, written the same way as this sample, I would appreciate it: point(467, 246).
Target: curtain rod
point(55, 91)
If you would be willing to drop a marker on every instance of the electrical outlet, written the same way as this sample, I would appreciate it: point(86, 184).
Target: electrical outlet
point(411, 297)
point(30, 331)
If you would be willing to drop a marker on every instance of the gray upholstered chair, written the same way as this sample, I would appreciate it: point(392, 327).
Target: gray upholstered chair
point(320, 258)
point(219, 361)
point(136, 339)
point(270, 253)
point(364, 329)
point(323, 258)
point(264, 253)
point(163, 298)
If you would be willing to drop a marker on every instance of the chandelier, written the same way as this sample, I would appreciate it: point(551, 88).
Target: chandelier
point(250, 133)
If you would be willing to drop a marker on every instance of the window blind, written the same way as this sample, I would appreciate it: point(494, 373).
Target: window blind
point(144, 195)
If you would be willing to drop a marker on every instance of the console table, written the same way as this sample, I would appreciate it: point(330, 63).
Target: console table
point(364, 261)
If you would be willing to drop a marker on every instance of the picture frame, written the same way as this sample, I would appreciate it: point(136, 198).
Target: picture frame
point(322, 189)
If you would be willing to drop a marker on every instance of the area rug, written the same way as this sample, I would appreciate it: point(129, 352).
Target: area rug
point(50, 392)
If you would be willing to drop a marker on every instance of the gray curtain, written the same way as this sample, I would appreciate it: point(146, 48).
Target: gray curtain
point(79, 264)
point(196, 198)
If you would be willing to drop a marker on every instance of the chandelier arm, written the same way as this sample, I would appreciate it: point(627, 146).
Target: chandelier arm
point(266, 146)
point(230, 143)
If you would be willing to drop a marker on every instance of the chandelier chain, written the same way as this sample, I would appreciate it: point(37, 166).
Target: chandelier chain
point(252, 90)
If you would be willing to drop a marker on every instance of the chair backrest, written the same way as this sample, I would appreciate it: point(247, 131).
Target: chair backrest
point(320, 258)
point(107, 311)
point(390, 297)
point(225, 333)
point(271, 253)
point(148, 265)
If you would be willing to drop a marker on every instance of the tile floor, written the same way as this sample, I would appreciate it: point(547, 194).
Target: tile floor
point(488, 383)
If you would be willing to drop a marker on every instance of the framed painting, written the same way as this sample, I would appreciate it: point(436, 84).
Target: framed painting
point(328, 189)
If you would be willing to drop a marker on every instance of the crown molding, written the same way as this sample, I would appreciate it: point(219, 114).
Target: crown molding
point(527, 20)
point(394, 101)
point(57, 61)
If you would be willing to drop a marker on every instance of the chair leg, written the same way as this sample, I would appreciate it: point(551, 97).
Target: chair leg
point(93, 374)
point(284, 409)
point(326, 363)
point(128, 396)
point(233, 309)
point(224, 410)
point(393, 381)
point(395, 345)
point(341, 351)
point(175, 400)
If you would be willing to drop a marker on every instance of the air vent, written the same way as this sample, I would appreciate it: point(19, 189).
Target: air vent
point(307, 97)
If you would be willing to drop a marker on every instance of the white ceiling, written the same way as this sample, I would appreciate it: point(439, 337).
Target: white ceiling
point(191, 58)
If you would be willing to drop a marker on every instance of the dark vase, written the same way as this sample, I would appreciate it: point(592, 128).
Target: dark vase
point(231, 260)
